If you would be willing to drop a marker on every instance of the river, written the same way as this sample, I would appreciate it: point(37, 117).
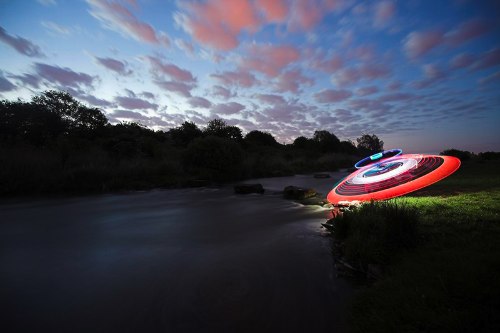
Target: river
point(188, 260)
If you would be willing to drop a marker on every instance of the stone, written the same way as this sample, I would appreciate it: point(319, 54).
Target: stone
point(321, 175)
point(298, 193)
point(248, 188)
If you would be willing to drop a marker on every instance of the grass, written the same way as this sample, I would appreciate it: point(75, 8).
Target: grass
point(450, 280)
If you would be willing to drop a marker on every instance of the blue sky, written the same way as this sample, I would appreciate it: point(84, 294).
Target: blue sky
point(422, 75)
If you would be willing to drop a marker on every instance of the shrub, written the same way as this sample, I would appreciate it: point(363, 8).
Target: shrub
point(214, 157)
point(375, 231)
point(463, 155)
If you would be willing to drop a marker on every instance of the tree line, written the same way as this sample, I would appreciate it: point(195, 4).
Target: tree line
point(54, 143)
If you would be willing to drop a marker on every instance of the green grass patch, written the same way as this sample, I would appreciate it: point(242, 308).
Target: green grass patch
point(446, 281)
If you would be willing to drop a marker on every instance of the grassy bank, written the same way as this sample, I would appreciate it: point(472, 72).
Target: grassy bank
point(440, 253)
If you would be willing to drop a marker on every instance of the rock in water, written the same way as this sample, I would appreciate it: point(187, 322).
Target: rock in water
point(298, 193)
point(321, 175)
point(248, 188)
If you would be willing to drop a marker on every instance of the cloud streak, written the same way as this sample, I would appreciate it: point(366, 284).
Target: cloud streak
point(21, 45)
point(117, 66)
point(117, 17)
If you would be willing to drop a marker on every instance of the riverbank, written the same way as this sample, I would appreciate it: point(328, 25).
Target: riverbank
point(448, 279)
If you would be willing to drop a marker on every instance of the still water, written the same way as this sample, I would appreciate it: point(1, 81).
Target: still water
point(189, 260)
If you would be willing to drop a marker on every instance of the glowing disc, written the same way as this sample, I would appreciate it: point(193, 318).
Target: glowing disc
point(392, 177)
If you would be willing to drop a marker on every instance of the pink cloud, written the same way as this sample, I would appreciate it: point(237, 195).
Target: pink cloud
point(236, 78)
point(374, 71)
point(221, 91)
point(369, 105)
point(291, 81)
point(364, 52)
point(490, 78)
point(20, 44)
point(199, 102)
point(132, 115)
point(394, 85)
point(180, 88)
point(327, 64)
point(271, 99)
point(269, 59)
point(5, 85)
point(488, 59)
point(418, 44)
point(461, 61)
point(432, 74)
point(468, 30)
point(384, 11)
point(346, 76)
point(63, 75)
point(28, 79)
point(217, 23)
point(305, 15)
point(228, 108)
point(118, 18)
point(173, 71)
point(365, 91)
point(432, 71)
point(185, 46)
point(274, 10)
point(332, 96)
point(92, 100)
point(134, 103)
point(114, 65)
point(396, 97)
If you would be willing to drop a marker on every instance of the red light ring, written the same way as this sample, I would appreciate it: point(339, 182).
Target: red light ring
point(431, 168)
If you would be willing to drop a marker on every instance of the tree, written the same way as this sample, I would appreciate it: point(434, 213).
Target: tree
point(218, 127)
point(303, 143)
point(326, 141)
point(22, 121)
point(370, 144)
point(89, 118)
point(71, 111)
point(348, 147)
point(185, 134)
point(258, 138)
point(214, 157)
point(462, 155)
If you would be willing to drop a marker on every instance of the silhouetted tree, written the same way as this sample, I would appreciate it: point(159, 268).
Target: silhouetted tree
point(218, 127)
point(214, 157)
point(370, 144)
point(463, 155)
point(258, 138)
point(74, 113)
point(22, 121)
point(184, 134)
point(326, 141)
point(303, 143)
point(348, 147)
point(489, 155)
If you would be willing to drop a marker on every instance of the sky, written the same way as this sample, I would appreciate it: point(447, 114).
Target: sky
point(422, 75)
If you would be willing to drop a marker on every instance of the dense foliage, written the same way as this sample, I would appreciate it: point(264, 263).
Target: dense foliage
point(54, 143)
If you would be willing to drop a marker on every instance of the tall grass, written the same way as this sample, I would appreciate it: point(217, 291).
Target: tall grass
point(374, 232)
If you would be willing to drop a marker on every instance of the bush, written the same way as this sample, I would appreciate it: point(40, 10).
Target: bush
point(217, 158)
point(463, 155)
point(373, 232)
